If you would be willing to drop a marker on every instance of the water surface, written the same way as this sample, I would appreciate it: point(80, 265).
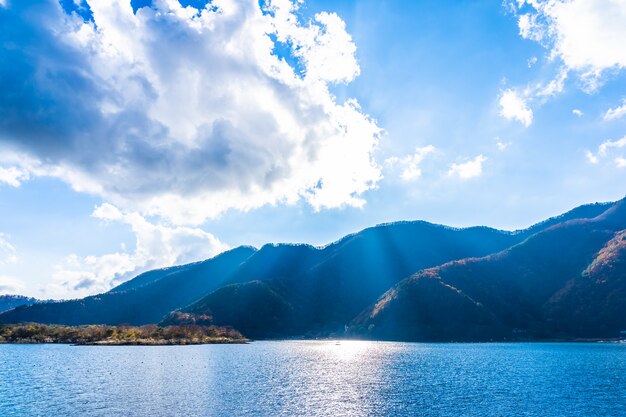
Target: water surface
point(314, 378)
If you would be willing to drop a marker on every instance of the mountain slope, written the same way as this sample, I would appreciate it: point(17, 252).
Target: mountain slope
point(8, 302)
point(289, 290)
point(326, 289)
point(528, 290)
point(254, 306)
point(141, 304)
point(149, 277)
point(593, 303)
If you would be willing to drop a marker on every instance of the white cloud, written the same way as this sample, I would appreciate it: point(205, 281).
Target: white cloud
point(410, 164)
point(156, 246)
point(11, 285)
point(13, 176)
point(587, 36)
point(527, 24)
point(616, 113)
point(620, 162)
point(502, 145)
point(593, 159)
point(8, 254)
point(606, 149)
point(470, 169)
point(186, 113)
point(326, 49)
point(552, 87)
point(514, 107)
point(578, 113)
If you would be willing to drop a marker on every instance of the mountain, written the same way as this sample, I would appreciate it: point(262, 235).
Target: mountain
point(594, 302)
point(8, 302)
point(317, 292)
point(472, 283)
point(323, 289)
point(254, 306)
point(345, 276)
point(565, 281)
point(143, 301)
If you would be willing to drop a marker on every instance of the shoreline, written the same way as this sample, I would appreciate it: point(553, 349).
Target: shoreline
point(244, 341)
point(102, 335)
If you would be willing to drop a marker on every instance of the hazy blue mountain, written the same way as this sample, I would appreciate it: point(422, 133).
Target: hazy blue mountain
point(138, 304)
point(7, 302)
point(149, 277)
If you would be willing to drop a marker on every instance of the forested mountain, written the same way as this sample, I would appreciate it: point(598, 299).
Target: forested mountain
point(7, 302)
point(563, 282)
point(344, 276)
point(472, 283)
point(138, 304)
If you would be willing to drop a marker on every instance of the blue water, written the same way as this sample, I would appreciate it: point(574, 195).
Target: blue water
point(314, 378)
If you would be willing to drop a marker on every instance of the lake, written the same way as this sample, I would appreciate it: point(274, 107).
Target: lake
point(315, 378)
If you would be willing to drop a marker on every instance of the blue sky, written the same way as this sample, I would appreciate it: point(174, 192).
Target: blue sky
point(122, 154)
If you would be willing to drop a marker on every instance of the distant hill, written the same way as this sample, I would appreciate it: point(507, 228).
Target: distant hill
point(7, 302)
point(472, 283)
point(566, 281)
point(140, 304)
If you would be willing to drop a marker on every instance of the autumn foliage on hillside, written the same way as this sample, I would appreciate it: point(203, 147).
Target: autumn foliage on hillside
point(118, 335)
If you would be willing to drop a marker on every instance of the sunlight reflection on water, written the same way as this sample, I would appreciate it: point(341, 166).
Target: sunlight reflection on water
point(314, 378)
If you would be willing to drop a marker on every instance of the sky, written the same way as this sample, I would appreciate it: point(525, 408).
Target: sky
point(142, 134)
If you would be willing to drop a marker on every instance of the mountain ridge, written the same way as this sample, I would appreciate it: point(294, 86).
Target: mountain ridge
point(499, 285)
point(355, 282)
point(11, 301)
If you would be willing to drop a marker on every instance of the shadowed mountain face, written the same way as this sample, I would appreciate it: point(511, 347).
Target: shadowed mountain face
point(473, 284)
point(594, 302)
point(319, 291)
point(335, 283)
point(566, 281)
point(344, 277)
point(254, 306)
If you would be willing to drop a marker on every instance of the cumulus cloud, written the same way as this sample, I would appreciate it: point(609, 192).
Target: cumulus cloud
point(182, 112)
point(11, 285)
point(501, 145)
point(13, 176)
point(586, 36)
point(466, 170)
point(157, 246)
point(591, 158)
point(616, 113)
point(578, 113)
point(513, 106)
point(607, 149)
point(8, 254)
point(410, 165)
